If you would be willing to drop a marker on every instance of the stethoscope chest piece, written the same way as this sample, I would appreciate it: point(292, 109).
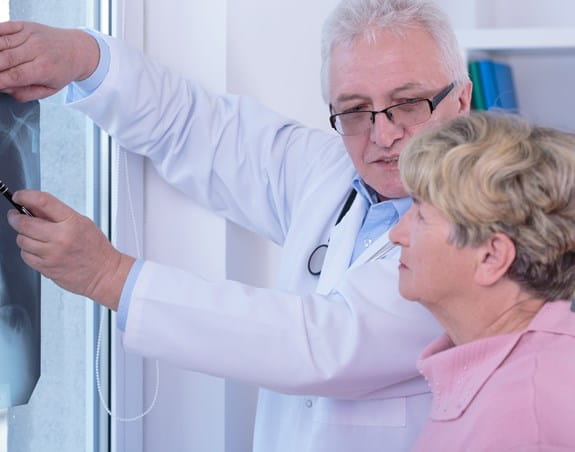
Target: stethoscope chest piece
point(316, 259)
point(317, 256)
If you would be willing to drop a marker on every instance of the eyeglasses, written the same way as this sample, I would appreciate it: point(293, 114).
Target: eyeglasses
point(405, 114)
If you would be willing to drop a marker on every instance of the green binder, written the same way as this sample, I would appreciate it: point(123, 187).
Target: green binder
point(477, 96)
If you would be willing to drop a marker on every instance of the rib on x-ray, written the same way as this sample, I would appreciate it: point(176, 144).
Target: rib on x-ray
point(19, 284)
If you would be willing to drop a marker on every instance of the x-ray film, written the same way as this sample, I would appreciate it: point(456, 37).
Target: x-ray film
point(19, 284)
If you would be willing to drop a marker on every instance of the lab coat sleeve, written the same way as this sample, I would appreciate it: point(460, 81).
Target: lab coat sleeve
point(288, 343)
point(228, 153)
point(256, 168)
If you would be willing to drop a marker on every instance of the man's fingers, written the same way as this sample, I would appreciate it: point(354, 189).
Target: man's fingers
point(30, 57)
point(32, 260)
point(33, 228)
point(19, 66)
point(11, 27)
point(15, 77)
point(13, 34)
point(28, 93)
point(14, 53)
point(33, 246)
point(37, 60)
point(44, 205)
point(11, 41)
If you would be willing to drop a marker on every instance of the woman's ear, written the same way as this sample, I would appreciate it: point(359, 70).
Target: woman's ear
point(495, 256)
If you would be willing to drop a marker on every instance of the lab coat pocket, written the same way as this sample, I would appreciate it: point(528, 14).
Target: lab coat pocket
point(379, 412)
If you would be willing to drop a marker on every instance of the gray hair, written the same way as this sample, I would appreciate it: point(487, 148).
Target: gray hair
point(352, 19)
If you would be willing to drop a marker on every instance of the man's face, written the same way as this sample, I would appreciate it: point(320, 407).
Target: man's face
point(375, 75)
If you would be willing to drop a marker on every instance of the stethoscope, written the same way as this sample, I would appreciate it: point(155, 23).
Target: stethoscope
point(317, 256)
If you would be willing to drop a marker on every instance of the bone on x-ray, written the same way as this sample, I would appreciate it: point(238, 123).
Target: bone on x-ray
point(19, 285)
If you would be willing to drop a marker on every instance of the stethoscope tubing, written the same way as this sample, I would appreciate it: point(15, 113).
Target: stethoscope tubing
point(320, 251)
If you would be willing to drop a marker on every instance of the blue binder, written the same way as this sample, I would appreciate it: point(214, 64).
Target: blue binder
point(487, 78)
point(497, 85)
point(506, 98)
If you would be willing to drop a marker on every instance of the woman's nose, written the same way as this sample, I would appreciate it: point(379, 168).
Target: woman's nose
point(398, 233)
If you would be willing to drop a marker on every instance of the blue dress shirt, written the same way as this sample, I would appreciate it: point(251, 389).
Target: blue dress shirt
point(380, 216)
point(83, 88)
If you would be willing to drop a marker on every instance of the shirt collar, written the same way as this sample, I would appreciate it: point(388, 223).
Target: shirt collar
point(456, 374)
point(401, 205)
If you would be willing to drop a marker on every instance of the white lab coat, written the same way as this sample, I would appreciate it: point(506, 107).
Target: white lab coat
point(350, 341)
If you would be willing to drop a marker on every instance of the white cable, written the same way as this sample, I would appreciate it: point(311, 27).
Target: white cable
point(99, 386)
point(99, 340)
point(139, 255)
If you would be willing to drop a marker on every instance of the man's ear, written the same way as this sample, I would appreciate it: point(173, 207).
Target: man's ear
point(495, 256)
point(465, 98)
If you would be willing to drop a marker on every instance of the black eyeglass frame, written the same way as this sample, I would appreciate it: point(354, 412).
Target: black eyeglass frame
point(432, 103)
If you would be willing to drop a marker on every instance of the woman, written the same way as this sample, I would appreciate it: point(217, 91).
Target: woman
point(488, 246)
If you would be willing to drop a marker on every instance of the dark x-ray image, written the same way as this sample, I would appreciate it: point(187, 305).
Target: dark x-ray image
point(19, 285)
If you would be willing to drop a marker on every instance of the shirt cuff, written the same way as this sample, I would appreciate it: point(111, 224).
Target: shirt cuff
point(126, 297)
point(80, 89)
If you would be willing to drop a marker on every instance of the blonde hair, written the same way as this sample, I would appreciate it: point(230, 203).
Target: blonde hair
point(490, 173)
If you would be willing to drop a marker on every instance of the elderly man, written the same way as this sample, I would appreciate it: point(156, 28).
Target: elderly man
point(333, 345)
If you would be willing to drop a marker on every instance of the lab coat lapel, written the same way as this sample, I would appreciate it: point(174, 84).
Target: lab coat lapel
point(369, 252)
point(341, 243)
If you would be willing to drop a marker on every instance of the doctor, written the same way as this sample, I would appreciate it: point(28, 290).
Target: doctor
point(333, 346)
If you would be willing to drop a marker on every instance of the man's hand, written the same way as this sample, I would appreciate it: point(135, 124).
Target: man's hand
point(36, 61)
point(69, 248)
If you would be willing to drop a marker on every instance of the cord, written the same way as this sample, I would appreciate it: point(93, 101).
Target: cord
point(100, 328)
point(99, 386)
point(120, 152)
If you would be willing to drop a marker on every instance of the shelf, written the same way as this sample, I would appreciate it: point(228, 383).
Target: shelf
point(530, 39)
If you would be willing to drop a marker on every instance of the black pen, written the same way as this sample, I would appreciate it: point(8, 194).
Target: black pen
point(8, 195)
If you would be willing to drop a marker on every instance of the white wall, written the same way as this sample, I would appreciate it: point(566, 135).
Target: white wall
point(268, 49)
point(509, 13)
point(190, 37)
point(274, 55)
point(243, 46)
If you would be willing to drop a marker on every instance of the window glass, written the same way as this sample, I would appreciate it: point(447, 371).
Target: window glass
point(62, 415)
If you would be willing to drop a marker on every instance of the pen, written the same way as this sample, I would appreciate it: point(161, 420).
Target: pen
point(8, 195)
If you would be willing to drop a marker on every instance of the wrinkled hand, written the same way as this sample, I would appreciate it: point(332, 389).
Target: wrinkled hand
point(36, 61)
point(69, 248)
